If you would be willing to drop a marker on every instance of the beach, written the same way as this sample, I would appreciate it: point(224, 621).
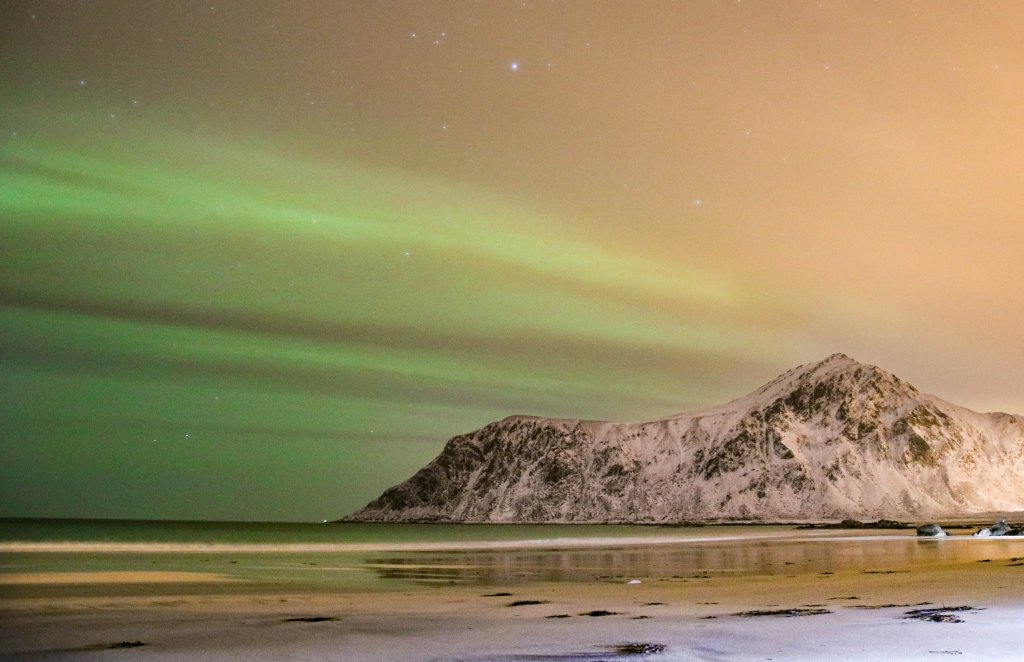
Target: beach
point(770, 599)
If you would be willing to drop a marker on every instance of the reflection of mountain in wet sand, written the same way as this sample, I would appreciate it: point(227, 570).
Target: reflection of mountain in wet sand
point(801, 555)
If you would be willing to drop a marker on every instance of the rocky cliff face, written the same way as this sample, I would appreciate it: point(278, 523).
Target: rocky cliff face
point(831, 440)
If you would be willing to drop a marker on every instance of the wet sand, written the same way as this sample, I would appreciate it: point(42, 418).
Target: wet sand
point(110, 577)
point(851, 614)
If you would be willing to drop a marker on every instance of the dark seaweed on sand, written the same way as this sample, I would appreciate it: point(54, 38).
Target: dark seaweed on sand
point(888, 606)
point(126, 644)
point(639, 649)
point(796, 611)
point(939, 614)
point(629, 650)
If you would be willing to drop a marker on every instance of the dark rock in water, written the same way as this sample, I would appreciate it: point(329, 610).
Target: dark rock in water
point(1000, 528)
point(930, 531)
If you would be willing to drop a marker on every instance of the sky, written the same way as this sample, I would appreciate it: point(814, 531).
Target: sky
point(260, 260)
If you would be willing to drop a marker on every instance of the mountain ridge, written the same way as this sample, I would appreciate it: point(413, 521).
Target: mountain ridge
point(828, 440)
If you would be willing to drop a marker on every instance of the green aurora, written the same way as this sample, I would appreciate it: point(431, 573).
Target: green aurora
point(182, 310)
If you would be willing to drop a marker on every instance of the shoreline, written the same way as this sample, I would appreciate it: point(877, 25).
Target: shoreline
point(853, 613)
point(805, 532)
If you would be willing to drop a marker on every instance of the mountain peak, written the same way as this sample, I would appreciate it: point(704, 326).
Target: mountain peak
point(837, 361)
point(836, 380)
point(830, 366)
point(836, 367)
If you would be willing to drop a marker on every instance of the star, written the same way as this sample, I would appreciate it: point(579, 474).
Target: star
point(514, 66)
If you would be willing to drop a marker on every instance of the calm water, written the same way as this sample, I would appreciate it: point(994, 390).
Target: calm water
point(345, 557)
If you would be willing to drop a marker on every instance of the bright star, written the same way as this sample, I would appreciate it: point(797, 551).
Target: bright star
point(514, 66)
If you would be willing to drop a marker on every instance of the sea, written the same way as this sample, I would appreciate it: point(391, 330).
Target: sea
point(332, 557)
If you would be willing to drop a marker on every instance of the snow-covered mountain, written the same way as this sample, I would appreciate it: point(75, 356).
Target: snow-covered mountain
point(830, 440)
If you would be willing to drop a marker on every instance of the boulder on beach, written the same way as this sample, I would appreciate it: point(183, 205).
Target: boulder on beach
point(930, 531)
